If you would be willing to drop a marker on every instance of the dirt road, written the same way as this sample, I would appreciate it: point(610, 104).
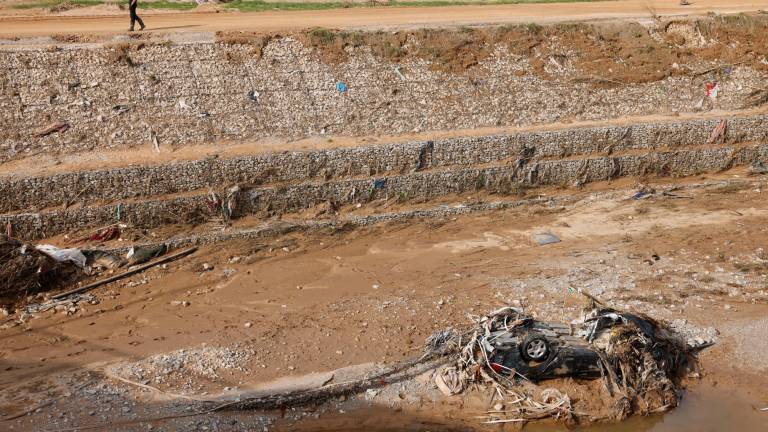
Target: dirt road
point(382, 17)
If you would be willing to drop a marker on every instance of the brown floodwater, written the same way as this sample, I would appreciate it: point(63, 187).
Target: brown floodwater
point(707, 409)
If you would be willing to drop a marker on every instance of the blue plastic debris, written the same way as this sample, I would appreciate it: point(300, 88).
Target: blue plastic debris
point(341, 87)
point(379, 184)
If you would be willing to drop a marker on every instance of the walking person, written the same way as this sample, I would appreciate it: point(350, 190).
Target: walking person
point(132, 4)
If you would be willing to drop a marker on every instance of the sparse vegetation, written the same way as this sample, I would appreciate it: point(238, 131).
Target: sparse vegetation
point(164, 4)
point(637, 54)
point(119, 52)
point(62, 5)
point(56, 3)
point(261, 5)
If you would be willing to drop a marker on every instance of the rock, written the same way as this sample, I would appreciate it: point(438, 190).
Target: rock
point(207, 267)
point(248, 325)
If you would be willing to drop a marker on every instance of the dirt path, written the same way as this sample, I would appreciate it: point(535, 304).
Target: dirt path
point(375, 17)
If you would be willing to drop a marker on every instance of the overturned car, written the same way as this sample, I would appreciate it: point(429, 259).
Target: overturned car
point(641, 361)
point(537, 350)
point(515, 344)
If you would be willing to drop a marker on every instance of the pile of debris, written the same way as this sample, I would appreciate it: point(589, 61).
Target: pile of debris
point(641, 361)
point(26, 270)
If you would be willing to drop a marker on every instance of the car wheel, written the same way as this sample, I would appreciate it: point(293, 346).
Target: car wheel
point(535, 347)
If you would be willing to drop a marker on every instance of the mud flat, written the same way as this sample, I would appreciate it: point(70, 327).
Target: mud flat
point(327, 257)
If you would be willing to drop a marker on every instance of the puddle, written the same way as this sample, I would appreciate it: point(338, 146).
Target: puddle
point(707, 409)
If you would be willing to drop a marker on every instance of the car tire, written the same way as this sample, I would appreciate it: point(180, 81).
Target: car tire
point(535, 347)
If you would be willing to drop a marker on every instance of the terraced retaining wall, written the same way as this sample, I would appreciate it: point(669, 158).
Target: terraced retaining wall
point(121, 96)
point(505, 179)
point(520, 148)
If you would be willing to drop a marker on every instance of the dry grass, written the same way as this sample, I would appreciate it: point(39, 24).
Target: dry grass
point(256, 42)
point(120, 52)
point(603, 55)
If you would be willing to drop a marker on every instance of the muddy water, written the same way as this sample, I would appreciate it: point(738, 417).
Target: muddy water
point(705, 410)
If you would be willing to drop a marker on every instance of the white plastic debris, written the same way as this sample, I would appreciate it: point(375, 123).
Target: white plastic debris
point(63, 255)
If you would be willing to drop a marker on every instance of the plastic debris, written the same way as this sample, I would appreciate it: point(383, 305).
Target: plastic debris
point(643, 191)
point(155, 142)
point(398, 73)
point(341, 87)
point(106, 234)
point(225, 207)
point(379, 184)
point(425, 151)
point(253, 95)
point(142, 254)
point(63, 255)
point(712, 89)
point(51, 128)
point(103, 259)
point(718, 133)
point(545, 238)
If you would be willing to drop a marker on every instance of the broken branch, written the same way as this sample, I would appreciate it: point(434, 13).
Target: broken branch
point(125, 274)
